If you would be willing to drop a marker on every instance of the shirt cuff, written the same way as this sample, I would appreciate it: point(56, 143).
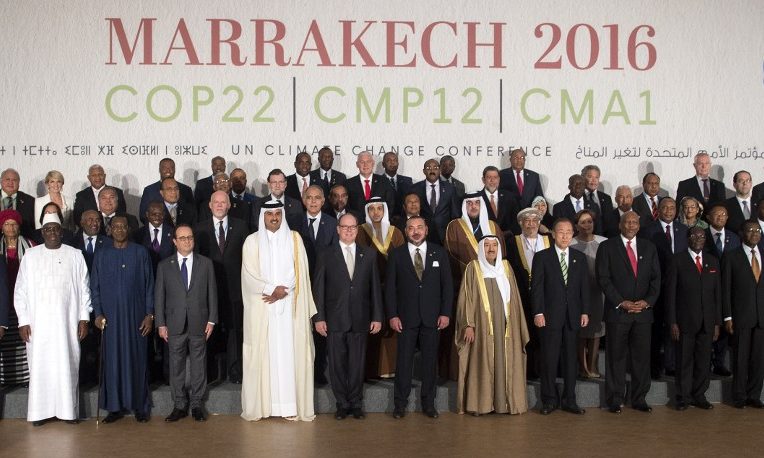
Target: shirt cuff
point(728, 318)
point(210, 322)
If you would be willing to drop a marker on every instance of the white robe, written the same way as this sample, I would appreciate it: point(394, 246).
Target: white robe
point(52, 296)
point(278, 344)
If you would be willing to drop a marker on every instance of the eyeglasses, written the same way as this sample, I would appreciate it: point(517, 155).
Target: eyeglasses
point(347, 227)
point(187, 238)
point(432, 167)
point(754, 230)
point(222, 181)
point(698, 236)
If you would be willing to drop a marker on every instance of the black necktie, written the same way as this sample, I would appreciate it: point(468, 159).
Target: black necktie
point(184, 274)
point(312, 232)
point(89, 248)
point(221, 237)
point(392, 182)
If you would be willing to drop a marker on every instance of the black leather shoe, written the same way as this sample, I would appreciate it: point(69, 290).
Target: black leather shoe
point(112, 417)
point(670, 373)
point(198, 414)
point(681, 405)
point(615, 409)
point(236, 380)
point(341, 414)
point(39, 422)
point(141, 417)
point(358, 413)
point(76, 421)
point(176, 415)
point(739, 404)
point(702, 404)
point(431, 412)
point(755, 403)
point(574, 409)
point(642, 408)
point(546, 409)
point(722, 371)
point(399, 412)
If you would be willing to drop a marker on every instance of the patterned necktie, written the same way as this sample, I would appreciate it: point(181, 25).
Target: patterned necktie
point(349, 261)
point(89, 248)
point(493, 206)
point(746, 210)
point(367, 190)
point(668, 237)
point(304, 185)
point(418, 264)
point(755, 265)
point(564, 268)
point(174, 215)
point(392, 183)
point(520, 184)
point(632, 257)
point(7, 203)
point(155, 242)
point(311, 229)
point(698, 264)
point(221, 237)
point(706, 191)
point(719, 244)
point(433, 199)
point(655, 208)
point(184, 273)
point(578, 205)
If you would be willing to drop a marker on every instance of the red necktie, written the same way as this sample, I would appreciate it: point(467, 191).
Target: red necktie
point(632, 257)
point(697, 264)
point(668, 237)
point(655, 209)
point(520, 184)
point(367, 190)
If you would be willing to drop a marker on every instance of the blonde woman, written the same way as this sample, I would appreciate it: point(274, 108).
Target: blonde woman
point(54, 181)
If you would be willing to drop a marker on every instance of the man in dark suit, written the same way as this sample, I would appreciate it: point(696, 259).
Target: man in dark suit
point(185, 301)
point(743, 312)
point(107, 202)
point(573, 202)
point(501, 204)
point(693, 300)
point(702, 187)
point(176, 211)
point(206, 186)
point(18, 200)
point(299, 181)
point(646, 204)
point(447, 167)
point(318, 231)
point(669, 236)
point(292, 207)
point(87, 199)
point(623, 201)
point(328, 177)
point(152, 191)
point(418, 301)
point(240, 208)
point(89, 239)
point(221, 238)
point(523, 183)
point(348, 298)
point(438, 200)
point(597, 201)
point(742, 206)
point(400, 183)
point(560, 291)
point(720, 241)
point(366, 185)
point(156, 236)
point(629, 274)
point(239, 187)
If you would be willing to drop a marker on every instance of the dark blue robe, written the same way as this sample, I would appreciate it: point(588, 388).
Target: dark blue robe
point(122, 289)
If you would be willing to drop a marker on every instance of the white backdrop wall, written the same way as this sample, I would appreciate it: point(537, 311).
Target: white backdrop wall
point(657, 82)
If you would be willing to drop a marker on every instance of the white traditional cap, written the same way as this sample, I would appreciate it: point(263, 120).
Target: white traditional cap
point(51, 218)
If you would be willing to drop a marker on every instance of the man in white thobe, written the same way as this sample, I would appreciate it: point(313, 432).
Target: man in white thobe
point(52, 300)
point(278, 304)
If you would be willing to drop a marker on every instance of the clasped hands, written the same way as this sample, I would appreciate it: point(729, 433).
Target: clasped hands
point(635, 306)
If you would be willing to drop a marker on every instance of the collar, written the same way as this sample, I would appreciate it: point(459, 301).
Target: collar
point(624, 240)
point(217, 221)
point(422, 247)
point(343, 247)
point(559, 251)
point(180, 257)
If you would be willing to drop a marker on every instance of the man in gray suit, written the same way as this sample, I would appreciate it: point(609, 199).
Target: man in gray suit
point(186, 308)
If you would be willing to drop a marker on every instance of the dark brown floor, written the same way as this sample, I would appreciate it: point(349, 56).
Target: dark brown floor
point(665, 432)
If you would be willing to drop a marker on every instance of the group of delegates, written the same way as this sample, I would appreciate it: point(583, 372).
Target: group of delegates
point(348, 277)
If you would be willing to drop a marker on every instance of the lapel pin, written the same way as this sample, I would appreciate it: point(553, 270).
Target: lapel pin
point(640, 257)
point(123, 266)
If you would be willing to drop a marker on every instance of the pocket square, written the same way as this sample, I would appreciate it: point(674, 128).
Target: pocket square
point(435, 264)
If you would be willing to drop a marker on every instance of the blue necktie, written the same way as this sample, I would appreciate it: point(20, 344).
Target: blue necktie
point(719, 246)
point(184, 273)
point(89, 248)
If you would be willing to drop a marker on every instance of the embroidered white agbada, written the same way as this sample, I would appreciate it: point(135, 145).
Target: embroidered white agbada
point(278, 345)
point(52, 296)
